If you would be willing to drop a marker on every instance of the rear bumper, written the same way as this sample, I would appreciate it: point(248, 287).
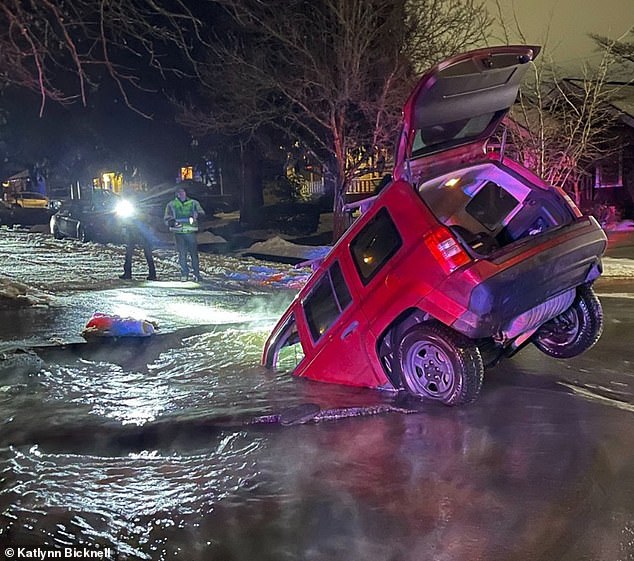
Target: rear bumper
point(528, 273)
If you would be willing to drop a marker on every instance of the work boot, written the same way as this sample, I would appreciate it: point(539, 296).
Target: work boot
point(125, 276)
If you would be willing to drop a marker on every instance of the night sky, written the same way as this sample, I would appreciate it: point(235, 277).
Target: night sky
point(562, 26)
point(106, 132)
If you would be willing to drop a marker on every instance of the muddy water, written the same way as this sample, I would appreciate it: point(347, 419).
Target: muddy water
point(172, 448)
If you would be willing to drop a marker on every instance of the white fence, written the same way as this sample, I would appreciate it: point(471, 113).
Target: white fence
point(314, 189)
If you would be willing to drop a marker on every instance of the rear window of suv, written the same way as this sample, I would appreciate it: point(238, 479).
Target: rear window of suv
point(491, 205)
point(374, 245)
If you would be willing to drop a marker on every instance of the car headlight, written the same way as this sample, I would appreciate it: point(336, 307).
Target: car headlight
point(124, 209)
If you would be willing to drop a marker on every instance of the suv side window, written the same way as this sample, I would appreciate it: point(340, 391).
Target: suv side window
point(326, 301)
point(285, 350)
point(374, 245)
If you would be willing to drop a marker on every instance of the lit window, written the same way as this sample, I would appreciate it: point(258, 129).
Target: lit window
point(187, 172)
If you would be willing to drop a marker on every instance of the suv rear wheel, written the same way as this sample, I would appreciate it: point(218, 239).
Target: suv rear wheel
point(440, 364)
point(575, 330)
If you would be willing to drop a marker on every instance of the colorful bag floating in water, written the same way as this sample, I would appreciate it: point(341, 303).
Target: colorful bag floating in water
point(109, 325)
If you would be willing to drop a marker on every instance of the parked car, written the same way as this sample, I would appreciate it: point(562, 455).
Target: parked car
point(28, 199)
point(25, 209)
point(462, 260)
point(88, 219)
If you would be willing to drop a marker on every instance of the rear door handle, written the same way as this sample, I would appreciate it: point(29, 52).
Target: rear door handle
point(348, 330)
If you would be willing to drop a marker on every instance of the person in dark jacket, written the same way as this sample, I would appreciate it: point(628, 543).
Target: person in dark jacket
point(181, 217)
point(136, 233)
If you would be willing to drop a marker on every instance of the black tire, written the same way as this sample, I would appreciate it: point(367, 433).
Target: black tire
point(81, 233)
point(437, 363)
point(574, 331)
point(56, 233)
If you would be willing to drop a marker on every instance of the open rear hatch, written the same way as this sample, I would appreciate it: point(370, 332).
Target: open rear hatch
point(459, 104)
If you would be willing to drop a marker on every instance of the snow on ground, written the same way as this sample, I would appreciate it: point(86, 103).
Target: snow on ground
point(209, 238)
point(34, 268)
point(622, 226)
point(618, 268)
point(16, 294)
point(280, 247)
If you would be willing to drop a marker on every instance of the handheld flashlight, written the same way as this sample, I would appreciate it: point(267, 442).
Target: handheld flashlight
point(124, 208)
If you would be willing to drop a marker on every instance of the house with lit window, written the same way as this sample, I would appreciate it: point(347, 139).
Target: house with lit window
point(613, 177)
point(311, 181)
point(603, 186)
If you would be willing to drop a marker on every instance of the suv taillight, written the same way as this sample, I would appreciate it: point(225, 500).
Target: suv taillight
point(446, 249)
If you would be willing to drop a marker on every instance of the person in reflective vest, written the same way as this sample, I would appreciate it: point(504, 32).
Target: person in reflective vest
point(181, 217)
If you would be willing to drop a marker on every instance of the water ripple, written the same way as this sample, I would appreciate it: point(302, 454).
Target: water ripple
point(119, 502)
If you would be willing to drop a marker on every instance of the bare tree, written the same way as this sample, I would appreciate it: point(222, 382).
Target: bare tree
point(562, 126)
point(559, 127)
point(330, 74)
point(59, 48)
point(622, 50)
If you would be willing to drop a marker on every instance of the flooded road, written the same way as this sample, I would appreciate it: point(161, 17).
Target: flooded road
point(182, 447)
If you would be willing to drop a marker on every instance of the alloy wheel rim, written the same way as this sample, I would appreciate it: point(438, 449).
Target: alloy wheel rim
point(562, 330)
point(429, 370)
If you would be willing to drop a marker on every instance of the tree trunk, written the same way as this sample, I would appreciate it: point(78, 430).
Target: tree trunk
point(251, 198)
point(341, 219)
point(577, 192)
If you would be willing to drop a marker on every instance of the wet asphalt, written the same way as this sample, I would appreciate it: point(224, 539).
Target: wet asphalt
point(182, 447)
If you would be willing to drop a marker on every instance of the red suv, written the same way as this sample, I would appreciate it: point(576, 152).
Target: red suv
point(464, 258)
